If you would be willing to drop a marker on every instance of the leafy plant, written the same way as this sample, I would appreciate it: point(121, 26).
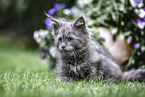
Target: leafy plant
point(127, 17)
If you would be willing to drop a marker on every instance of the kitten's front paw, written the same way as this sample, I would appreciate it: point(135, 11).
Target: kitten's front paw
point(63, 79)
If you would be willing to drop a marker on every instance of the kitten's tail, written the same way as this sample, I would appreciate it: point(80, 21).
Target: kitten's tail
point(134, 75)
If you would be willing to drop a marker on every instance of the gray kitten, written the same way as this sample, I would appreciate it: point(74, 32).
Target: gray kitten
point(81, 58)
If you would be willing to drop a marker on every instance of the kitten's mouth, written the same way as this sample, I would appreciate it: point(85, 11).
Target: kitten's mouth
point(67, 49)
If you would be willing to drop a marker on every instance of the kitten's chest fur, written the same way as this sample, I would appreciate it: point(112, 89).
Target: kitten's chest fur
point(85, 70)
point(82, 71)
point(79, 66)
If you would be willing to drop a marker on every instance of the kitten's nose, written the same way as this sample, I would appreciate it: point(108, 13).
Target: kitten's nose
point(63, 45)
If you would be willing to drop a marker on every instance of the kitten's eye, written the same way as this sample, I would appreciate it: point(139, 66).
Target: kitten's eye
point(60, 39)
point(70, 39)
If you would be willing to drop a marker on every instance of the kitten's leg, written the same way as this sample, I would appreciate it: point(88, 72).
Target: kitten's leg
point(96, 72)
point(64, 75)
point(110, 69)
point(63, 78)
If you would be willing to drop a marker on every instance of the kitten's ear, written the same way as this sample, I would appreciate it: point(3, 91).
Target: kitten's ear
point(80, 23)
point(55, 22)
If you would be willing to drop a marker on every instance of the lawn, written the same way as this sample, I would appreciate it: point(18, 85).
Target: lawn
point(23, 74)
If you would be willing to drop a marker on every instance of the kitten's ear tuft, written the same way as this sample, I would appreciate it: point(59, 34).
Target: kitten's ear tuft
point(80, 23)
point(55, 22)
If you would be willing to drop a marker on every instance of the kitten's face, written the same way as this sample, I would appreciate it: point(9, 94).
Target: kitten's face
point(69, 36)
point(68, 39)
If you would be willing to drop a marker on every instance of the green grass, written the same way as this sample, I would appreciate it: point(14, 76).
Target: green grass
point(23, 74)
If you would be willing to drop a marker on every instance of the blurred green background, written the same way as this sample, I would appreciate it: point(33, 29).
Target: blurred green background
point(20, 18)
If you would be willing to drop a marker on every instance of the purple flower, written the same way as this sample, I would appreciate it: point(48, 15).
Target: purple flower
point(52, 11)
point(48, 23)
point(129, 40)
point(57, 6)
point(136, 46)
point(62, 5)
point(141, 23)
point(43, 56)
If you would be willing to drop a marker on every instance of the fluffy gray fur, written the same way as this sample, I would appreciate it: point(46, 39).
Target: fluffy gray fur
point(81, 58)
